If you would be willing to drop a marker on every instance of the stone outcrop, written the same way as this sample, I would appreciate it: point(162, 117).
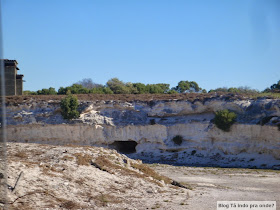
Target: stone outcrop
point(253, 141)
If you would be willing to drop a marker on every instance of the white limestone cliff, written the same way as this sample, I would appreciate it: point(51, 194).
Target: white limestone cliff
point(251, 142)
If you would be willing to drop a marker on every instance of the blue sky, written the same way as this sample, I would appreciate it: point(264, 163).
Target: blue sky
point(216, 43)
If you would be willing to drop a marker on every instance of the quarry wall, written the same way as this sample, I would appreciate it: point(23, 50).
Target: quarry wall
point(146, 130)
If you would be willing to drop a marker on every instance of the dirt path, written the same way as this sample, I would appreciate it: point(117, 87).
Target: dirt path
point(216, 184)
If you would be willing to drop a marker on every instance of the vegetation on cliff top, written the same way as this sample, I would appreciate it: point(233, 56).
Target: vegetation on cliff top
point(116, 86)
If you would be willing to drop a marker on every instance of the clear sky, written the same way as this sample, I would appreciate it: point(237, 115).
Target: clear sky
point(217, 43)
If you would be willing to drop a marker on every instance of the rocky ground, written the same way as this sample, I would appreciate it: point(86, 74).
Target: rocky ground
point(76, 177)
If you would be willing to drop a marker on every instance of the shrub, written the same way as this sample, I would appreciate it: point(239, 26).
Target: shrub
point(44, 91)
point(172, 91)
point(107, 90)
point(236, 90)
point(140, 87)
point(73, 89)
point(177, 139)
point(69, 106)
point(28, 92)
point(117, 86)
point(275, 87)
point(89, 84)
point(224, 119)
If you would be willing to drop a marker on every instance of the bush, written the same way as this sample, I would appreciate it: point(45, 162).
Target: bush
point(224, 119)
point(73, 89)
point(140, 87)
point(275, 87)
point(236, 90)
point(172, 91)
point(69, 106)
point(44, 91)
point(177, 139)
point(28, 92)
point(117, 86)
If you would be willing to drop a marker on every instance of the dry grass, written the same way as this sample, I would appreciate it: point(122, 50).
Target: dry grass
point(104, 199)
point(269, 95)
point(83, 159)
point(35, 152)
point(52, 201)
point(47, 170)
point(21, 154)
point(80, 181)
point(106, 165)
point(67, 158)
point(187, 185)
point(70, 205)
point(20, 206)
point(115, 189)
point(150, 172)
point(51, 170)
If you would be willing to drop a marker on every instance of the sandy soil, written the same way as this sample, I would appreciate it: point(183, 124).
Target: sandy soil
point(76, 177)
point(225, 184)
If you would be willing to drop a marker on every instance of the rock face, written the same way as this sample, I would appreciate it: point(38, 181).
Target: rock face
point(146, 130)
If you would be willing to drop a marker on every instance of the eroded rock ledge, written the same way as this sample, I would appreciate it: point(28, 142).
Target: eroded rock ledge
point(145, 129)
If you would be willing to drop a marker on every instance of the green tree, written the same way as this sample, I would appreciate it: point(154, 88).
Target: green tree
point(266, 90)
point(187, 86)
point(224, 119)
point(233, 90)
point(89, 84)
point(275, 87)
point(107, 90)
point(73, 89)
point(44, 91)
point(28, 92)
point(97, 90)
point(172, 91)
point(140, 87)
point(69, 106)
point(221, 89)
point(131, 88)
point(117, 86)
point(154, 89)
point(245, 90)
point(165, 87)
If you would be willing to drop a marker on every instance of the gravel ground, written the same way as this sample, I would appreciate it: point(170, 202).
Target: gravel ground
point(210, 185)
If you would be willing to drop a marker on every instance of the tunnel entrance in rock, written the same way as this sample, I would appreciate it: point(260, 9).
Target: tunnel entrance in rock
point(125, 147)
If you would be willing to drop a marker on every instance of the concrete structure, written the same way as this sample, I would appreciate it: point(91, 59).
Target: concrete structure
point(13, 81)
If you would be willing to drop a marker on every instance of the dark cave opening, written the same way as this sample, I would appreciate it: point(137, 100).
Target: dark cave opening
point(125, 147)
